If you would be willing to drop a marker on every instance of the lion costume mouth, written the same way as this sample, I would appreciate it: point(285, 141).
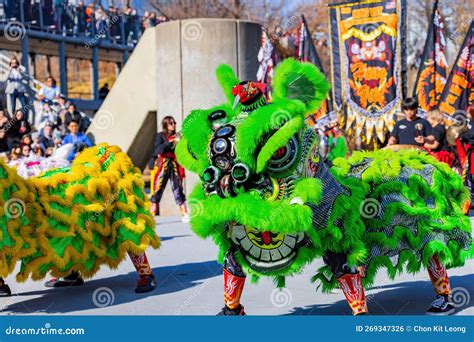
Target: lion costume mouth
point(266, 251)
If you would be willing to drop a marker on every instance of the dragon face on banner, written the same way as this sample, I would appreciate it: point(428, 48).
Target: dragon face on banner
point(458, 95)
point(433, 69)
point(366, 56)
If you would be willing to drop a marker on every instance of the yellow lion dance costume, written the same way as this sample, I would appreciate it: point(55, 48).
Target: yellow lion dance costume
point(75, 219)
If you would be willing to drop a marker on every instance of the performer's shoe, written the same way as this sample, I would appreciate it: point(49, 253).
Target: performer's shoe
point(74, 279)
point(238, 311)
point(441, 306)
point(5, 290)
point(145, 284)
point(185, 218)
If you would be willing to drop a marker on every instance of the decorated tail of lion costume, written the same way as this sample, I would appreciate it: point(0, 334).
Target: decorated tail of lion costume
point(75, 219)
point(272, 206)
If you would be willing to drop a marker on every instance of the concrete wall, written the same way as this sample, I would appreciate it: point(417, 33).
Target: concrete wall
point(171, 72)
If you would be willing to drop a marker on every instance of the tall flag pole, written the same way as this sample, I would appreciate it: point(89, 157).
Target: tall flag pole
point(458, 94)
point(307, 53)
point(432, 72)
point(368, 49)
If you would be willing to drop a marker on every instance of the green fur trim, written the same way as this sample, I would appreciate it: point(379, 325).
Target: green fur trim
point(300, 81)
point(227, 80)
point(277, 140)
point(446, 192)
point(264, 120)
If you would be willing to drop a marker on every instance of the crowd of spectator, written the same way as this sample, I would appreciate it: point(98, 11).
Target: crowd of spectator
point(76, 17)
point(57, 121)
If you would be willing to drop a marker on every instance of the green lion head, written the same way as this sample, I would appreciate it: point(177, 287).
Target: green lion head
point(257, 163)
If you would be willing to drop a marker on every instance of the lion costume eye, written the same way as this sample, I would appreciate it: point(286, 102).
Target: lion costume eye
point(285, 157)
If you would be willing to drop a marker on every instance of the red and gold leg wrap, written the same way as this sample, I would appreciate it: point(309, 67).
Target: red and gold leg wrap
point(141, 264)
point(439, 276)
point(233, 287)
point(351, 285)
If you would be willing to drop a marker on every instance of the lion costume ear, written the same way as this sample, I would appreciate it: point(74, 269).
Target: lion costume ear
point(227, 79)
point(301, 81)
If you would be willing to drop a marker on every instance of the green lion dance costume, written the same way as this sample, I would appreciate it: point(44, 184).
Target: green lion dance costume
point(272, 206)
point(75, 219)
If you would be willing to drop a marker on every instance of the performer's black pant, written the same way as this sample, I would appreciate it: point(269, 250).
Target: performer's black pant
point(169, 171)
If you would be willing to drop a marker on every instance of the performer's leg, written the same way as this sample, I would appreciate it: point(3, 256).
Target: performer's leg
point(234, 280)
point(349, 280)
point(159, 187)
point(177, 188)
point(439, 278)
point(4, 289)
point(147, 281)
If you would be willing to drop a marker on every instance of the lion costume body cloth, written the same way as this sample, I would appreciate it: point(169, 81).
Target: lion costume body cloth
point(266, 198)
point(75, 218)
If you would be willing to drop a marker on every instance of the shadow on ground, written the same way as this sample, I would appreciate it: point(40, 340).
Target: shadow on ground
point(63, 300)
point(408, 298)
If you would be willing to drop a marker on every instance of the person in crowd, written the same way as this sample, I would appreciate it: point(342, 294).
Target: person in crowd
point(38, 151)
point(101, 22)
point(46, 115)
point(104, 91)
point(35, 137)
point(18, 128)
point(80, 19)
point(162, 19)
point(47, 138)
point(15, 153)
point(50, 91)
point(4, 143)
point(26, 140)
point(6, 158)
point(336, 142)
point(16, 84)
point(149, 20)
point(4, 119)
point(61, 106)
point(90, 19)
point(58, 14)
point(25, 151)
point(412, 130)
point(131, 24)
point(73, 114)
point(115, 30)
point(165, 167)
point(49, 152)
point(436, 143)
point(78, 139)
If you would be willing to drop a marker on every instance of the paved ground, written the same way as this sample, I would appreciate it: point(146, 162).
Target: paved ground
point(191, 284)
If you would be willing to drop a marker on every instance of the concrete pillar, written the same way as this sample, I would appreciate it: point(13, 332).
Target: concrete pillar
point(171, 72)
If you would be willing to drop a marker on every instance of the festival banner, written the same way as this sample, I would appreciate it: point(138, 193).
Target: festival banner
point(368, 65)
point(307, 52)
point(458, 94)
point(432, 72)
